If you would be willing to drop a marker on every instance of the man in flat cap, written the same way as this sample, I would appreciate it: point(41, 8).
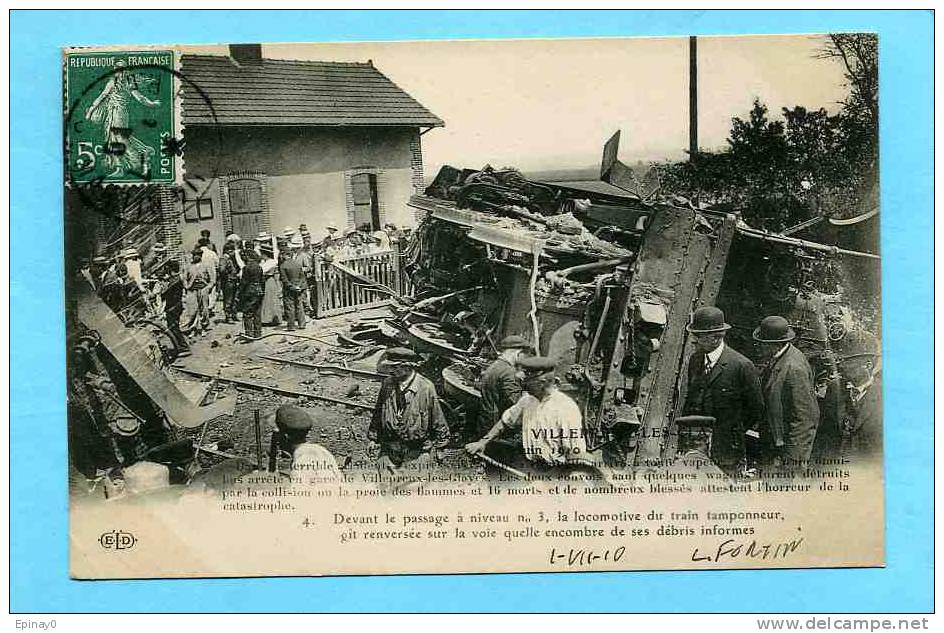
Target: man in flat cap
point(311, 463)
point(787, 382)
point(407, 421)
point(861, 421)
point(694, 440)
point(499, 383)
point(725, 385)
point(551, 423)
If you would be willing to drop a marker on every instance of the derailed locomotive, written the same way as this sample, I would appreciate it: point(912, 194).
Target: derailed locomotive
point(605, 281)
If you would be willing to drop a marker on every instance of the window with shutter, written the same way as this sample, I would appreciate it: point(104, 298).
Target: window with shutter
point(366, 203)
point(245, 196)
point(245, 202)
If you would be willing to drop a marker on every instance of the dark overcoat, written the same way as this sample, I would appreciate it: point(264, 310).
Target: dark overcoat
point(792, 410)
point(293, 275)
point(731, 393)
point(500, 389)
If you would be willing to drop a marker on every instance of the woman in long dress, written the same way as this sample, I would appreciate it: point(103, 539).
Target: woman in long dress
point(272, 297)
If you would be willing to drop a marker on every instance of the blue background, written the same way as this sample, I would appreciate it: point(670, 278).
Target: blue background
point(39, 519)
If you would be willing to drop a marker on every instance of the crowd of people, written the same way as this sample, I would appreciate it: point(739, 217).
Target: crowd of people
point(267, 279)
point(780, 416)
point(742, 418)
point(738, 418)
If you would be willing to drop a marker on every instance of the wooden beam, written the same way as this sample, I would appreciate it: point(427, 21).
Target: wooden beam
point(286, 392)
point(298, 363)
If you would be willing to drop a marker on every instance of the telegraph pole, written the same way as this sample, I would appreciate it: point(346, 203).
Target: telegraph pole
point(692, 97)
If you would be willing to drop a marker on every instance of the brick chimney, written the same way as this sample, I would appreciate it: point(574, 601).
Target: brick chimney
point(246, 54)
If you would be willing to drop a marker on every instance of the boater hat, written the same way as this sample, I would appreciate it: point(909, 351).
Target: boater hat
point(296, 242)
point(706, 320)
point(774, 329)
point(514, 342)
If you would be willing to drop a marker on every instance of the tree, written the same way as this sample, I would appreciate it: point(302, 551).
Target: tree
point(778, 173)
point(760, 174)
point(858, 53)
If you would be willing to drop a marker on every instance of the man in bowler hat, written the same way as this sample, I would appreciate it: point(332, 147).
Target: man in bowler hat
point(792, 410)
point(725, 385)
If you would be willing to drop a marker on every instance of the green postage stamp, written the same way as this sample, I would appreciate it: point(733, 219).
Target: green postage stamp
point(121, 117)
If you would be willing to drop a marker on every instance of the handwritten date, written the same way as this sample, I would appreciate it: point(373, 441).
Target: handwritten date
point(580, 557)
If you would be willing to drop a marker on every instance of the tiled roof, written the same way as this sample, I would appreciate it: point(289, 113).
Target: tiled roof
point(282, 92)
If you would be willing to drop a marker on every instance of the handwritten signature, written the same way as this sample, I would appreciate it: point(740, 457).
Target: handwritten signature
point(731, 549)
point(581, 557)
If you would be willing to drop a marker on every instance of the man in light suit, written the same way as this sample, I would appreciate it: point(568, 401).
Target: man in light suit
point(792, 410)
point(725, 385)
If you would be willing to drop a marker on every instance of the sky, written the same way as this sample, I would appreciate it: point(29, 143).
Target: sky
point(544, 104)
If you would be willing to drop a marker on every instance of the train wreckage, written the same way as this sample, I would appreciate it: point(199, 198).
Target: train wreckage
point(594, 275)
point(605, 281)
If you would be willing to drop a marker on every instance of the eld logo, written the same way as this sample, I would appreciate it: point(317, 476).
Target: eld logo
point(117, 539)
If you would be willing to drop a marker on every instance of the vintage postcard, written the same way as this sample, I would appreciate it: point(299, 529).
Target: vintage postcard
point(473, 306)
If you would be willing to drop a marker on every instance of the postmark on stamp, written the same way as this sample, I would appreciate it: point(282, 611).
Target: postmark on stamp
point(121, 122)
